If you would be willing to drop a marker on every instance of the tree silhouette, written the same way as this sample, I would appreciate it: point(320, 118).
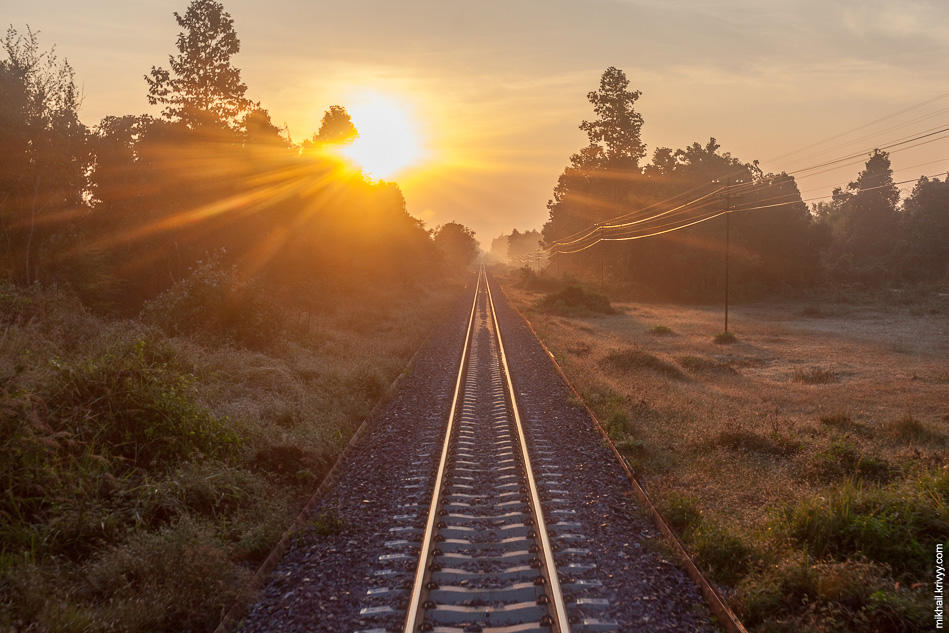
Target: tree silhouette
point(201, 87)
point(617, 126)
point(336, 127)
point(868, 221)
point(457, 244)
point(45, 152)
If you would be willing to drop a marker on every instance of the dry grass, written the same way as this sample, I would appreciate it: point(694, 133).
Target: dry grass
point(751, 435)
point(145, 476)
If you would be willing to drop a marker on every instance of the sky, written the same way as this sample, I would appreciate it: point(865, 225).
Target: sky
point(498, 88)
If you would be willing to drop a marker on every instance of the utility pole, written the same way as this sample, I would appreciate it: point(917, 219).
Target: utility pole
point(728, 216)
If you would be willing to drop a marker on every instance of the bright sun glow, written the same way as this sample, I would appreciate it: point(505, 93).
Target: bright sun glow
point(389, 139)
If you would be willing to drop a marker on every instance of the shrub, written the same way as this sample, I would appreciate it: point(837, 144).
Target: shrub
point(814, 376)
point(212, 304)
point(887, 525)
point(909, 429)
point(575, 301)
point(134, 404)
point(697, 364)
point(725, 338)
point(802, 595)
point(660, 330)
point(629, 360)
point(726, 555)
point(743, 440)
point(838, 420)
point(328, 522)
point(681, 513)
point(842, 459)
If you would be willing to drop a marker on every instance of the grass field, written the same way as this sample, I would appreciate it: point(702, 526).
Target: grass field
point(804, 463)
point(145, 476)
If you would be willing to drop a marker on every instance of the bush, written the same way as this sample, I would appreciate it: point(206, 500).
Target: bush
point(742, 440)
point(893, 526)
point(212, 304)
point(910, 430)
point(629, 360)
point(137, 406)
point(814, 376)
point(681, 513)
point(802, 595)
point(726, 555)
point(725, 338)
point(661, 330)
point(842, 459)
point(575, 301)
point(697, 364)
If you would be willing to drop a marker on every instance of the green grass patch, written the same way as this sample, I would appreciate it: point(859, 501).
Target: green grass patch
point(894, 525)
point(726, 555)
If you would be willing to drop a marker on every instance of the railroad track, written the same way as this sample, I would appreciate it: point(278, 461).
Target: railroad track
point(481, 502)
point(486, 556)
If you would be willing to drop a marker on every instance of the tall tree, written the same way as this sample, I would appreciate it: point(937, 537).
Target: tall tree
point(336, 127)
point(202, 86)
point(46, 157)
point(868, 223)
point(926, 251)
point(457, 244)
point(618, 126)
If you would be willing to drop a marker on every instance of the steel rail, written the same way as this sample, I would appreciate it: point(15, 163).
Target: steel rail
point(561, 623)
point(415, 599)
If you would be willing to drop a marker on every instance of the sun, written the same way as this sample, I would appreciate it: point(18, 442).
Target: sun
point(389, 140)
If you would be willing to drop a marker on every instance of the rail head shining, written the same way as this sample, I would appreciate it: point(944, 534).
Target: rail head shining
point(412, 615)
point(562, 624)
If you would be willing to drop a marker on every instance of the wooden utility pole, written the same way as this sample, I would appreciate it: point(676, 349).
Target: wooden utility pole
point(728, 216)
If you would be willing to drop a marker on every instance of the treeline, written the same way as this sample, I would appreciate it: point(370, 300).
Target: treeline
point(516, 247)
point(123, 211)
point(863, 236)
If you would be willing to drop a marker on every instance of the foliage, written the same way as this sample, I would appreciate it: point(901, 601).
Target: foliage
point(574, 300)
point(893, 525)
point(45, 159)
point(628, 360)
point(457, 244)
point(212, 304)
point(202, 87)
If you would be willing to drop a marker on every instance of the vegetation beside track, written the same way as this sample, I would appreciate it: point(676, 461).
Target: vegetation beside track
point(802, 465)
point(148, 465)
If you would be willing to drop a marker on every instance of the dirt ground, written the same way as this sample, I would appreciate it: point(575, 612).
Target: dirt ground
point(739, 426)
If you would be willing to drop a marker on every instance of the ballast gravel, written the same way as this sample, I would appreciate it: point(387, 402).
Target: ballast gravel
point(380, 497)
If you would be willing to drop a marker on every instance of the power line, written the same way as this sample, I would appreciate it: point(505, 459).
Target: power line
point(860, 127)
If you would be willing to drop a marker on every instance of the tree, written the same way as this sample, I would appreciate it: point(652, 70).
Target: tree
point(866, 220)
point(926, 211)
point(336, 128)
point(617, 126)
point(202, 87)
point(45, 152)
point(457, 244)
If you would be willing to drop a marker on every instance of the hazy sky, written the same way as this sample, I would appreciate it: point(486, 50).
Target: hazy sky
point(500, 86)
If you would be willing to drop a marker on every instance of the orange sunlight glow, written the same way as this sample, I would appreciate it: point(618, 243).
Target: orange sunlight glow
point(389, 140)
